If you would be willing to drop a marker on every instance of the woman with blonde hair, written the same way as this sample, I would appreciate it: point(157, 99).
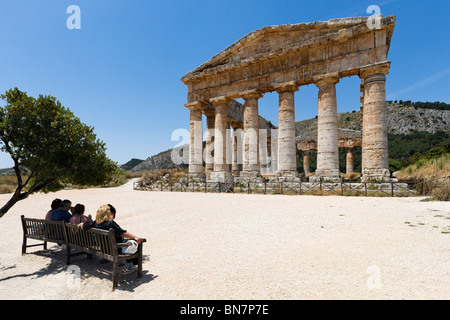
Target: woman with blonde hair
point(104, 220)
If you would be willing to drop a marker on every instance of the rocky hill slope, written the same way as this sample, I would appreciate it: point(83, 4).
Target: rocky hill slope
point(160, 161)
point(400, 120)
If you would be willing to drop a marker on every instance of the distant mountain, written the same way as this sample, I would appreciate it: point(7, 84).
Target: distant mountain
point(403, 118)
point(160, 161)
point(131, 164)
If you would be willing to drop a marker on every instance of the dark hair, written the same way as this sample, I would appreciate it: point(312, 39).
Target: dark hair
point(65, 203)
point(78, 209)
point(112, 209)
point(55, 204)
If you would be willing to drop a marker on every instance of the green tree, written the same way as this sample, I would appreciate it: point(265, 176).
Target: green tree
point(435, 153)
point(50, 147)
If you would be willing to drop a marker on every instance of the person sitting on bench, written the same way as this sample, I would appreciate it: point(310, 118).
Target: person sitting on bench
point(78, 215)
point(62, 213)
point(55, 205)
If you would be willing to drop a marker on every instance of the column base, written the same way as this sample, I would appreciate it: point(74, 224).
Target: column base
point(285, 176)
point(222, 176)
point(378, 175)
point(326, 176)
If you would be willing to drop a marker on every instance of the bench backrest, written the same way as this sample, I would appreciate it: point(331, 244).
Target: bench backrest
point(44, 229)
point(96, 241)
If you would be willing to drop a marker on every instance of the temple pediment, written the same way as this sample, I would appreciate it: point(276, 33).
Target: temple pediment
point(276, 41)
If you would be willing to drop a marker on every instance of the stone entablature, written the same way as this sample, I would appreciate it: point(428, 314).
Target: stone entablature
point(271, 56)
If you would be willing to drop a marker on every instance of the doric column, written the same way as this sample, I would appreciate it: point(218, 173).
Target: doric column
point(287, 149)
point(251, 165)
point(209, 136)
point(349, 164)
point(269, 165)
point(327, 137)
point(236, 167)
point(222, 163)
point(306, 167)
point(274, 150)
point(374, 131)
point(195, 140)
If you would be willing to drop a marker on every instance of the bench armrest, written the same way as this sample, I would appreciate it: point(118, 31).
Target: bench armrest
point(126, 244)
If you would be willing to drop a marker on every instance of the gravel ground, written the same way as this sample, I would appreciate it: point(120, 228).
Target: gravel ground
point(239, 246)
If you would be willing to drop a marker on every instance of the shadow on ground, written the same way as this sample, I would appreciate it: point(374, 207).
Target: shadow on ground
point(87, 268)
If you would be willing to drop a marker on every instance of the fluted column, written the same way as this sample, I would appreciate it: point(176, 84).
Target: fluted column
point(209, 137)
point(251, 165)
point(236, 167)
point(287, 149)
point(306, 166)
point(222, 164)
point(327, 138)
point(195, 140)
point(349, 160)
point(375, 163)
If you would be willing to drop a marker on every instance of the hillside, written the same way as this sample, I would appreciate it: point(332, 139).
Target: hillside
point(402, 119)
point(157, 162)
point(131, 164)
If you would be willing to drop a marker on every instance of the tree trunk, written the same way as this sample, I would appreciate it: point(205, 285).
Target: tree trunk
point(17, 196)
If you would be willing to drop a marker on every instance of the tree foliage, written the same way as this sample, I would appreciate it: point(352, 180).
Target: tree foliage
point(431, 105)
point(50, 147)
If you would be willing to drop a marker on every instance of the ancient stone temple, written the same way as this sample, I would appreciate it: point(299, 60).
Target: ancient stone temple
point(283, 58)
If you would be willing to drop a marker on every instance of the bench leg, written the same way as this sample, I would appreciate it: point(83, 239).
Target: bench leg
point(67, 254)
point(24, 245)
point(115, 273)
point(45, 245)
point(140, 262)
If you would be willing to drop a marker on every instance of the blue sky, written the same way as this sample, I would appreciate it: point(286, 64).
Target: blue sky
point(121, 71)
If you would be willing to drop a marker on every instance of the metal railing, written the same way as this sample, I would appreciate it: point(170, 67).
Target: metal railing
point(343, 188)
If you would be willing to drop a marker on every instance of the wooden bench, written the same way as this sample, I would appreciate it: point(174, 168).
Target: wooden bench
point(93, 242)
point(43, 230)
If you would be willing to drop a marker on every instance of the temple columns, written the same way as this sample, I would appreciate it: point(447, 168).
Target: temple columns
point(222, 172)
point(195, 140)
point(251, 163)
point(287, 161)
point(306, 167)
point(236, 167)
point(375, 164)
point(209, 137)
point(349, 164)
point(327, 138)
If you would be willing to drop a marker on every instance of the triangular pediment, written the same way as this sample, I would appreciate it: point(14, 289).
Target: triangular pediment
point(273, 40)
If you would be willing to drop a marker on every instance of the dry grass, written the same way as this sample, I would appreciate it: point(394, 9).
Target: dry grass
point(173, 175)
point(8, 184)
point(425, 169)
point(441, 191)
point(433, 173)
point(351, 176)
